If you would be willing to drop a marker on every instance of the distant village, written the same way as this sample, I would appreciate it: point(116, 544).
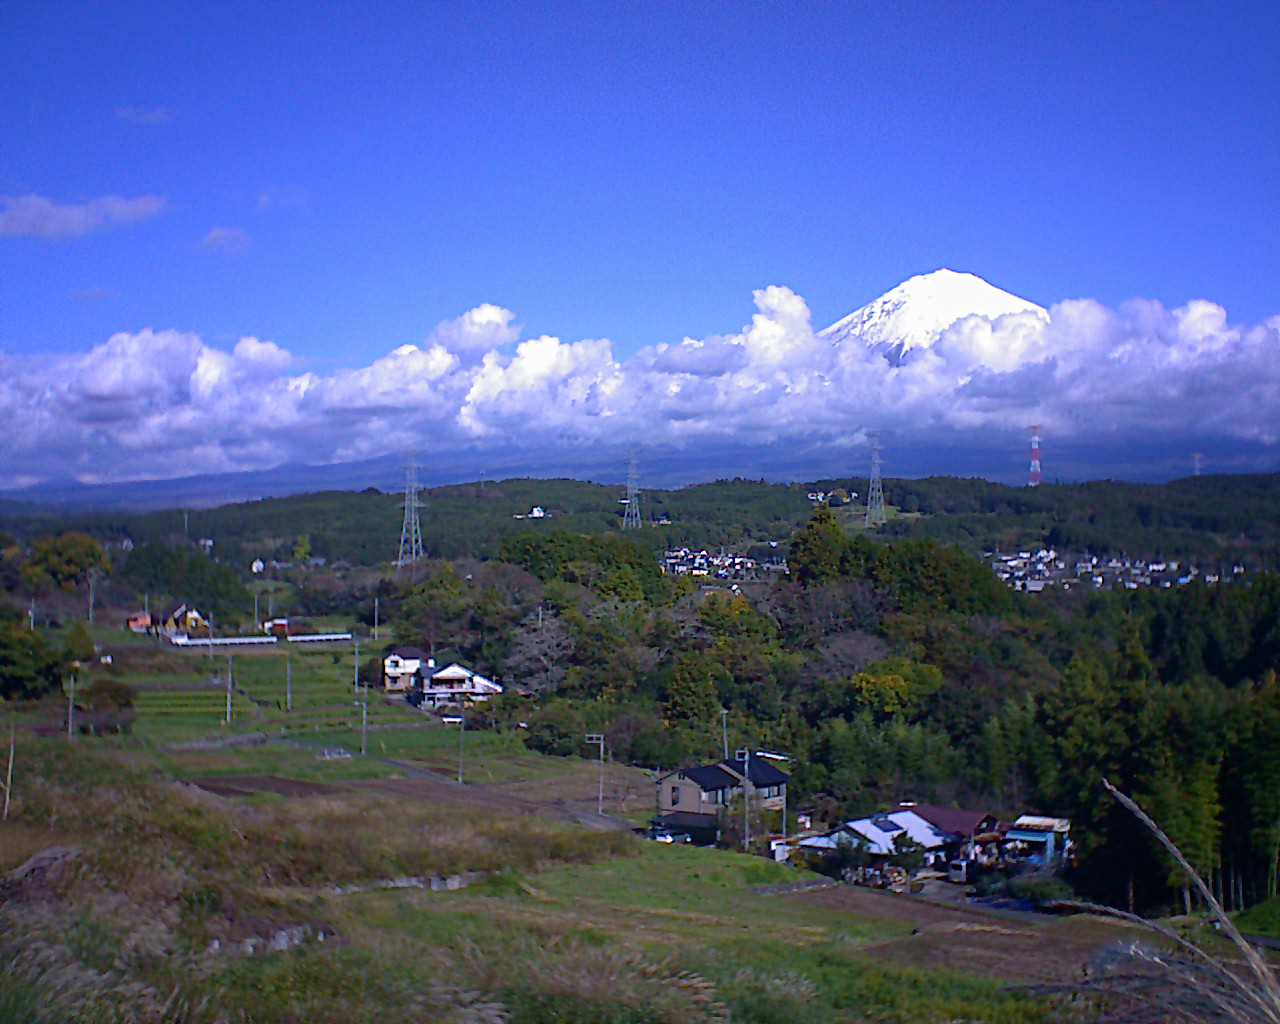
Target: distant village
point(721, 565)
point(1035, 571)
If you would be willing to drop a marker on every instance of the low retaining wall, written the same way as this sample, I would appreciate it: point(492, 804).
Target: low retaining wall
point(436, 883)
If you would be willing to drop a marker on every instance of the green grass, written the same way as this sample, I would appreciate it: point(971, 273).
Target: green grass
point(668, 935)
point(1261, 919)
point(571, 926)
point(287, 762)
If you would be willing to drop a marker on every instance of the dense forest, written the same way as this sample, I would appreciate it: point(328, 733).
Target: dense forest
point(889, 667)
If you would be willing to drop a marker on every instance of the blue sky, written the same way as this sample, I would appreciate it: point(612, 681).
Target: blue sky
point(339, 179)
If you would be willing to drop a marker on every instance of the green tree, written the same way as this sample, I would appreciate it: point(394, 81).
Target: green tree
point(64, 561)
point(908, 854)
point(817, 551)
point(79, 645)
point(557, 728)
point(29, 667)
point(692, 694)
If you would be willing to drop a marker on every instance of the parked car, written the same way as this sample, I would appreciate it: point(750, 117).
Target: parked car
point(662, 835)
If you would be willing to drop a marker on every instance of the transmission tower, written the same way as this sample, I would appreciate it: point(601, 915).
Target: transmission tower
point(876, 515)
point(631, 517)
point(1033, 476)
point(411, 531)
point(1197, 461)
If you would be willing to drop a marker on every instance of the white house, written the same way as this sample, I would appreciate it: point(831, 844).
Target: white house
point(456, 685)
point(406, 669)
point(878, 832)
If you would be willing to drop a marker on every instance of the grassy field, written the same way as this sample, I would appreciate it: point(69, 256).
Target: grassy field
point(188, 848)
point(570, 925)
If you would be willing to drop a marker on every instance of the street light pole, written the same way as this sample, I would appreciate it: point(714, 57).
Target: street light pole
point(461, 723)
point(598, 738)
point(724, 726)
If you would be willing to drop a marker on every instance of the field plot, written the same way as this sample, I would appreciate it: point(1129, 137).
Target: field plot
point(672, 933)
point(1028, 948)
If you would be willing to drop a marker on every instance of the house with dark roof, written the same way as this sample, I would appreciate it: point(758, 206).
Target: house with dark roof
point(959, 822)
point(694, 799)
point(706, 789)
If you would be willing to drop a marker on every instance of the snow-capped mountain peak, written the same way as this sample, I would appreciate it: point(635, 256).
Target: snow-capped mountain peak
point(917, 312)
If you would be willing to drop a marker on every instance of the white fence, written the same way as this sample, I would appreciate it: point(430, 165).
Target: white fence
point(181, 640)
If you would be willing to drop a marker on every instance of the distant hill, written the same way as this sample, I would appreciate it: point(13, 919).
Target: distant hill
point(1224, 518)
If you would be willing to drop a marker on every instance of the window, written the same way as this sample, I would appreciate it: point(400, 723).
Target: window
point(675, 795)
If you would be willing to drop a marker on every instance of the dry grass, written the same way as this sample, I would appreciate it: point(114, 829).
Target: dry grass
point(1175, 980)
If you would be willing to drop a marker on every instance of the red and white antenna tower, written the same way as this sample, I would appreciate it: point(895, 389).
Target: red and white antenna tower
point(1033, 478)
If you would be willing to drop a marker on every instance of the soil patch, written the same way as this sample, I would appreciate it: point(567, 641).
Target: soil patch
point(247, 785)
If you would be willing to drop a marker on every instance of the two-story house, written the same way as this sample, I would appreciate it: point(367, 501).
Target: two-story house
point(408, 669)
point(404, 667)
point(692, 799)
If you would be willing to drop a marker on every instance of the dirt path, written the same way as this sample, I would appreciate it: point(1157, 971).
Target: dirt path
point(1048, 949)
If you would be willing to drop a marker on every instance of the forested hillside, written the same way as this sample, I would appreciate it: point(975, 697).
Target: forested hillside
point(1218, 520)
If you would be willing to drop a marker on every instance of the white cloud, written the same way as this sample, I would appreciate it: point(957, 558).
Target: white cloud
point(33, 216)
point(165, 403)
point(478, 330)
point(149, 116)
point(227, 240)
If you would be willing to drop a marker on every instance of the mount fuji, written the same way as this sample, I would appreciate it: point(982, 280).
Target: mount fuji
point(917, 312)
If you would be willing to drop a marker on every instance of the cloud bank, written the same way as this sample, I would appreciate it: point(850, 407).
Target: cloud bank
point(163, 403)
point(33, 216)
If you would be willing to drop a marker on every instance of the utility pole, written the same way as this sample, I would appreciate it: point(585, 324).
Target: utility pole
point(31, 614)
point(288, 682)
point(375, 618)
point(257, 621)
point(598, 738)
point(228, 689)
point(364, 725)
point(461, 723)
point(744, 755)
point(355, 675)
point(71, 707)
point(8, 782)
point(724, 726)
point(93, 580)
